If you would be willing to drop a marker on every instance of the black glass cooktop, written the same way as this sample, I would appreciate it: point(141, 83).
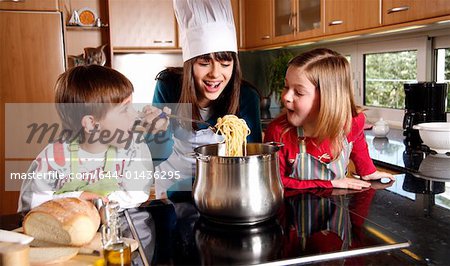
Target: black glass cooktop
point(309, 227)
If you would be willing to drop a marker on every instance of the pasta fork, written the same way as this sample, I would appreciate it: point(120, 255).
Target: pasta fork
point(179, 118)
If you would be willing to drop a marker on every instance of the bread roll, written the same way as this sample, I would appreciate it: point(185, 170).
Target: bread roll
point(67, 221)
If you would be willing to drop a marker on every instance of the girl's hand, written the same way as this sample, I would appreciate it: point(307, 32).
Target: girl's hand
point(92, 196)
point(378, 175)
point(350, 182)
point(151, 116)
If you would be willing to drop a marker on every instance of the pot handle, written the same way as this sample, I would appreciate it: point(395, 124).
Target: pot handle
point(204, 158)
point(278, 145)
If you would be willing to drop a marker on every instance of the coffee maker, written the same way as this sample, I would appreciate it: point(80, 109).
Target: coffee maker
point(424, 102)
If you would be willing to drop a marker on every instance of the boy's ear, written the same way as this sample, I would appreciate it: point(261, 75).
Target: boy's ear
point(88, 123)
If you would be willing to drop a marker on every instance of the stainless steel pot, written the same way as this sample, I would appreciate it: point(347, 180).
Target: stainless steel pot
point(238, 190)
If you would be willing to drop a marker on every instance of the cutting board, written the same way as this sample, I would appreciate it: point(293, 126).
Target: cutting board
point(87, 254)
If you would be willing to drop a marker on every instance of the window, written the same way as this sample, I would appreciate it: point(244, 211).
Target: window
point(384, 76)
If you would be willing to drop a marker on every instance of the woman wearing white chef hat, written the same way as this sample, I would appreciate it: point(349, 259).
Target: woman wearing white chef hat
point(208, 86)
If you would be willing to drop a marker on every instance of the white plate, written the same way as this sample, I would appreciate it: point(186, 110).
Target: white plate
point(87, 17)
point(13, 237)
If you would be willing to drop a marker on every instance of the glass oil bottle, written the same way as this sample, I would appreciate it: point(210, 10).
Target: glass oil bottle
point(115, 250)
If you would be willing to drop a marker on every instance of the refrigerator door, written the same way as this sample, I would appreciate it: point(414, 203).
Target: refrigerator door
point(31, 59)
point(32, 55)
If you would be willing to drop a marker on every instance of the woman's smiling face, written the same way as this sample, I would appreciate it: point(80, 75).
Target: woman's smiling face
point(211, 76)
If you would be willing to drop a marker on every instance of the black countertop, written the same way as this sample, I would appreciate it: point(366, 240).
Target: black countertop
point(417, 205)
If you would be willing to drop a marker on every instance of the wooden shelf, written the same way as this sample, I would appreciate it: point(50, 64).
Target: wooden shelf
point(74, 27)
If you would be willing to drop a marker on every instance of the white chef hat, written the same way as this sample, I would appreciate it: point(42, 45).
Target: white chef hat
point(206, 26)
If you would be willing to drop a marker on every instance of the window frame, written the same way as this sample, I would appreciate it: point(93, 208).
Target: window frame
point(422, 44)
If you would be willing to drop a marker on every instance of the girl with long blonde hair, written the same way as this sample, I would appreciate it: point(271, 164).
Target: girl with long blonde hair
point(321, 127)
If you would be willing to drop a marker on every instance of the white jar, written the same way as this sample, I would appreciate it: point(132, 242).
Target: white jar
point(380, 128)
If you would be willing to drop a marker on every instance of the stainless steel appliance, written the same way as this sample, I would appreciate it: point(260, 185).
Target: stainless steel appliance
point(424, 102)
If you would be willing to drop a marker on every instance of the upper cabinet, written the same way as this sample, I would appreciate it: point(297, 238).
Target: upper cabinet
point(295, 19)
point(351, 15)
point(398, 11)
point(142, 24)
point(257, 23)
point(308, 18)
point(235, 4)
point(41, 5)
point(277, 21)
point(284, 20)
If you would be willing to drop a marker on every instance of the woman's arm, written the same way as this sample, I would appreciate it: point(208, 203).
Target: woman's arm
point(161, 144)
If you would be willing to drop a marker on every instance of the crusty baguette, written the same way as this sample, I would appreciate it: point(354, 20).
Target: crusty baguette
point(67, 221)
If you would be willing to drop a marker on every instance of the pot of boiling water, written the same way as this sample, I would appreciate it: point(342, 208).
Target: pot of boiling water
point(238, 190)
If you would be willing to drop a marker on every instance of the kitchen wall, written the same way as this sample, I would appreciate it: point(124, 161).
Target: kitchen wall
point(141, 70)
point(254, 66)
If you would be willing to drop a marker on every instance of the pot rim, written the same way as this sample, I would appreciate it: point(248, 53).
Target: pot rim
point(275, 145)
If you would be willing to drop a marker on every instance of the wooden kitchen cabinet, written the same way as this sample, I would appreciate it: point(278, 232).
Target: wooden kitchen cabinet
point(296, 19)
point(284, 20)
point(398, 11)
point(32, 58)
point(351, 15)
point(270, 22)
point(142, 24)
point(258, 23)
point(235, 4)
point(31, 5)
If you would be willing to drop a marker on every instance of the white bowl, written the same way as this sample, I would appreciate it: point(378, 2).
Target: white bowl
point(435, 166)
point(435, 135)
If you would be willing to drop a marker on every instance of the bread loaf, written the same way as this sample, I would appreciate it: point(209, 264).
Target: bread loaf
point(51, 255)
point(67, 221)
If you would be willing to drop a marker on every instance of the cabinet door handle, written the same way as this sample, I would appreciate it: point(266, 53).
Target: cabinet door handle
point(398, 9)
point(14, 1)
point(336, 22)
point(265, 37)
point(158, 41)
point(292, 17)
